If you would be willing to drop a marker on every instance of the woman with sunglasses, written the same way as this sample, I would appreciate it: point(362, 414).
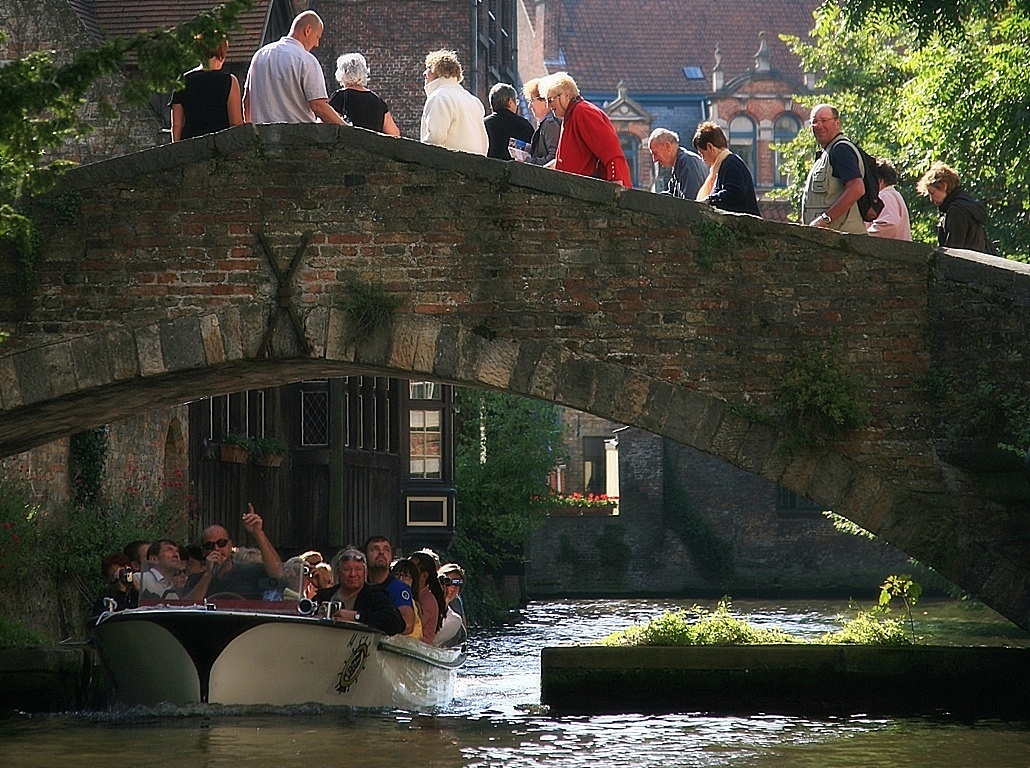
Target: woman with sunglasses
point(454, 630)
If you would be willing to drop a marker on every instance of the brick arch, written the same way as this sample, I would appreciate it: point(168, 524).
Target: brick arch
point(131, 371)
point(224, 263)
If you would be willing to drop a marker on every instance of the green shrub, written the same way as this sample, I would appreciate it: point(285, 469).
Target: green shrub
point(869, 628)
point(15, 635)
point(720, 627)
point(65, 545)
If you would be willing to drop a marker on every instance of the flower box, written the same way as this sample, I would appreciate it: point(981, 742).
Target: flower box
point(233, 454)
point(269, 459)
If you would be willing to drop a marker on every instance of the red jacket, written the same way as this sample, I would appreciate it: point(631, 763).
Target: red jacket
point(589, 146)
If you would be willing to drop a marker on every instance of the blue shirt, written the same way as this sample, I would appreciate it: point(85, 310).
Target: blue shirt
point(399, 592)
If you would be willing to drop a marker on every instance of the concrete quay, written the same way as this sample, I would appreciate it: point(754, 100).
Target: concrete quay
point(788, 679)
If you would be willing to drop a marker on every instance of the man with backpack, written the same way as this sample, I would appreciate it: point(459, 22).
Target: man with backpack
point(836, 182)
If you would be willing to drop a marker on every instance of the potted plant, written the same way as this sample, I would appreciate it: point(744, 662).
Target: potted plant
point(235, 448)
point(269, 451)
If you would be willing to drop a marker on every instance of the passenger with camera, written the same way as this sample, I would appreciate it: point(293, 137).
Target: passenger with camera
point(121, 592)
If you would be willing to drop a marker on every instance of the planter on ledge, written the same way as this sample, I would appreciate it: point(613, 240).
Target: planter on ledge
point(269, 460)
point(233, 454)
point(604, 510)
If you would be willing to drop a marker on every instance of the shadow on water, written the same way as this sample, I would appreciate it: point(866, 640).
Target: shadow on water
point(496, 718)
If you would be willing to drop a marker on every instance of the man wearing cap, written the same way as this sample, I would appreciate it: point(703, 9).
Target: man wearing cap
point(359, 601)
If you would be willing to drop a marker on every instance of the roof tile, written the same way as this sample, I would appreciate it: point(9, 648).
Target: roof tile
point(647, 43)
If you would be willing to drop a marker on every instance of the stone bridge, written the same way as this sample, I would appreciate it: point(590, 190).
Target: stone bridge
point(238, 260)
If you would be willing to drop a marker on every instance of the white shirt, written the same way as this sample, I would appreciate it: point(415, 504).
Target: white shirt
point(283, 78)
point(453, 117)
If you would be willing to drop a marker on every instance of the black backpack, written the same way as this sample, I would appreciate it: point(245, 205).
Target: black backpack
point(869, 204)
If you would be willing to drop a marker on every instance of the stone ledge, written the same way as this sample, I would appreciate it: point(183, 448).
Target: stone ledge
point(46, 678)
point(804, 679)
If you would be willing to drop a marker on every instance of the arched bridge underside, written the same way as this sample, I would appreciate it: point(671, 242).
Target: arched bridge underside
point(237, 260)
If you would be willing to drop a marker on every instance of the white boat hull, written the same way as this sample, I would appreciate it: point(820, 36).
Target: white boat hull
point(192, 655)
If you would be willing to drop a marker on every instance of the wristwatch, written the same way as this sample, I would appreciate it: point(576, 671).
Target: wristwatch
point(826, 217)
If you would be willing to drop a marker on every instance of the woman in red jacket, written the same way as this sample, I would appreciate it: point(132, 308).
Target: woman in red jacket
point(588, 144)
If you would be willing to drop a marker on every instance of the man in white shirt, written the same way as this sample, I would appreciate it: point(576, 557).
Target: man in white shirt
point(285, 83)
point(452, 117)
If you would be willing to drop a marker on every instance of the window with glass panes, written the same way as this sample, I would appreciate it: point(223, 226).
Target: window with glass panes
point(742, 141)
point(785, 129)
point(425, 436)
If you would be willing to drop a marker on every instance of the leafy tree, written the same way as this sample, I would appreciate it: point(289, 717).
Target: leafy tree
point(41, 101)
point(928, 17)
point(505, 448)
point(960, 96)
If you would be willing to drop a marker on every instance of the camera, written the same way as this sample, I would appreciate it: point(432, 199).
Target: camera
point(125, 575)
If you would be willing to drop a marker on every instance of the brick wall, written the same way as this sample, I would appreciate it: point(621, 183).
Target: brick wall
point(394, 37)
point(51, 25)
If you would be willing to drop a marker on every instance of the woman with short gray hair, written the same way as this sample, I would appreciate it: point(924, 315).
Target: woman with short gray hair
point(355, 102)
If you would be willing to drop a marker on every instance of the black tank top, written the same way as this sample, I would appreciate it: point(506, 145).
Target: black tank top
point(204, 102)
point(363, 109)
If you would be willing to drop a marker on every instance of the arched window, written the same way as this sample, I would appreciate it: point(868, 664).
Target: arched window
point(742, 141)
point(631, 149)
point(785, 129)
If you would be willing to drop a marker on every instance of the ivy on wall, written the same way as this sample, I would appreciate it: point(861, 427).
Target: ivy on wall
point(820, 395)
point(87, 459)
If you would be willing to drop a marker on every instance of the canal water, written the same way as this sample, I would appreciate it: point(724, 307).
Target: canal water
point(496, 718)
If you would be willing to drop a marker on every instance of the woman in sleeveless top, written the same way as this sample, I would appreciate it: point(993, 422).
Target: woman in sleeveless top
point(355, 103)
point(210, 101)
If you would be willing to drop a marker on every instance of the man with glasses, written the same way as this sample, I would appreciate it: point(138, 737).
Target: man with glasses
point(249, 581)
point(356, 600)
point(835, 182)
point(379, 558)
point(588, 144)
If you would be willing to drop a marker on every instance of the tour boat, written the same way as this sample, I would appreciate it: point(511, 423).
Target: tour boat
point(228, 651)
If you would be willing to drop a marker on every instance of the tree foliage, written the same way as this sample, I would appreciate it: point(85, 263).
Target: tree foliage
point(42, 96)
point(505, 448)
point(928, 17)
point(958, 94)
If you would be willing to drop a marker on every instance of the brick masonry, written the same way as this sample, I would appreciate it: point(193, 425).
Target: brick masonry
point(650, 311)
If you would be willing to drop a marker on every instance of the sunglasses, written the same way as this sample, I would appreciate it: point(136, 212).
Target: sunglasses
point(207, 546)
point(353, 556)
point(449, 582)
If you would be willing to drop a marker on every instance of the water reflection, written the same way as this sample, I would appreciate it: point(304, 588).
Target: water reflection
point(496, 719)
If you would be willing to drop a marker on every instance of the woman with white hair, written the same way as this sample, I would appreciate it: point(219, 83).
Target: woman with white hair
point(355, 102)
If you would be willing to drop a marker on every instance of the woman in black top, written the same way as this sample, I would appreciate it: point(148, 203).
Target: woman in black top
point(355, 103)
point(210, 101)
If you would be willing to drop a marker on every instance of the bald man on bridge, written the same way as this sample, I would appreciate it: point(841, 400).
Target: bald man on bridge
point(285, 83)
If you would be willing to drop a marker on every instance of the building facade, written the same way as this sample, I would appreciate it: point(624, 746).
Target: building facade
point(688, 524)
point(363, 455)
point(671, 64)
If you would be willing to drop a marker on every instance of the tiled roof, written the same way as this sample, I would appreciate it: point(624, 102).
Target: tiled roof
point(123, 18)
point(647, 43)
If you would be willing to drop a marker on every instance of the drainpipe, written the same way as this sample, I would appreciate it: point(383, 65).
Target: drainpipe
point(474, 47)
